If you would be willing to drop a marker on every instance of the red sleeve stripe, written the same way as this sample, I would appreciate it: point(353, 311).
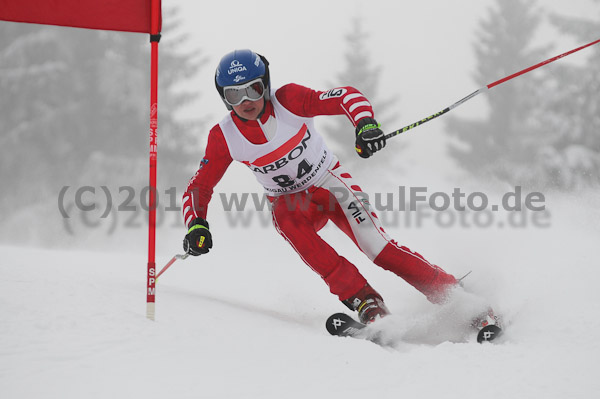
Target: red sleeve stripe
point(352, 97)
point(359, 104)
point(189, 212)
point(185, 202)
point(356, 106)
point(193, 205)
point(188, 220)
point(363, 115)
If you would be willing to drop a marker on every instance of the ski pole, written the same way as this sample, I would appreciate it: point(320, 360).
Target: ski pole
point(173, 259)
point(485, 88)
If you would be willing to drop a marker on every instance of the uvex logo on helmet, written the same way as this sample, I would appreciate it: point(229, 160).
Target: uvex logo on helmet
point(236, 67)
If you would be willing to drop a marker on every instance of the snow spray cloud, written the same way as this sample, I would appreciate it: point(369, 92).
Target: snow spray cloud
point(408, 207)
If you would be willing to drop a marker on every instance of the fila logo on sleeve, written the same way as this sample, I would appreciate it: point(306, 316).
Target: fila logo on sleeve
point(339, 92)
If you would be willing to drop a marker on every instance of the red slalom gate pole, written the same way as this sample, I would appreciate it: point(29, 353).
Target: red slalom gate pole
point(486, 88)
point(152, 202)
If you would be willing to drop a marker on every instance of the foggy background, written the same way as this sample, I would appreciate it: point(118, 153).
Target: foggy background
point(73, 230)
point(74, 105)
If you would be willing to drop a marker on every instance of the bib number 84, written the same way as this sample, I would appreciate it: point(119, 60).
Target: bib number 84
point(286, 181)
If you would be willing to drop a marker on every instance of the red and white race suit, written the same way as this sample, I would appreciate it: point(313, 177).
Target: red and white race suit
point(308, 187)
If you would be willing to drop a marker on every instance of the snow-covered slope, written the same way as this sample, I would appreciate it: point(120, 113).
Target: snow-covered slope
point(247, 321)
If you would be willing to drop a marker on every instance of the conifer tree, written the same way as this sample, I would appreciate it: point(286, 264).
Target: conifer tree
point(502, 145)
point(360, 73)
point(74, 106)
point(572, 154)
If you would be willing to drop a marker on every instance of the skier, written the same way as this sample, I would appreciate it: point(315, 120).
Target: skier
point(271, 131)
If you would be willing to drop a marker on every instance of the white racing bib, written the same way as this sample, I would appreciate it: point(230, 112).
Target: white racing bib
point(292, 161)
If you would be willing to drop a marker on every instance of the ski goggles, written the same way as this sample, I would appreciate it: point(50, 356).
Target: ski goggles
point(253, 90)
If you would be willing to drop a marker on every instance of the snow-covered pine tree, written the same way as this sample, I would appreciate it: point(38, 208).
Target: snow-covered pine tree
point(38, 103)
point(74, 109)
point(179, 141)
point(572, 158)
point(502, 144)
point(360, 73)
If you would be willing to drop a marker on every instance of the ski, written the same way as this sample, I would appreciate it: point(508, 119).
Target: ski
point(342, 325)
point(489, 333)
point(488, 325)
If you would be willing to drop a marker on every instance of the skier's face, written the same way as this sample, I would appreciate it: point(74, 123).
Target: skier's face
point(250, 110)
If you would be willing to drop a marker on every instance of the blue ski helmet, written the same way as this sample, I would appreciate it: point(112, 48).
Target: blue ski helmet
point(239, 67)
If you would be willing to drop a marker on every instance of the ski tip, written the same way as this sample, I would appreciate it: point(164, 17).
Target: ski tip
point(489, 333)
